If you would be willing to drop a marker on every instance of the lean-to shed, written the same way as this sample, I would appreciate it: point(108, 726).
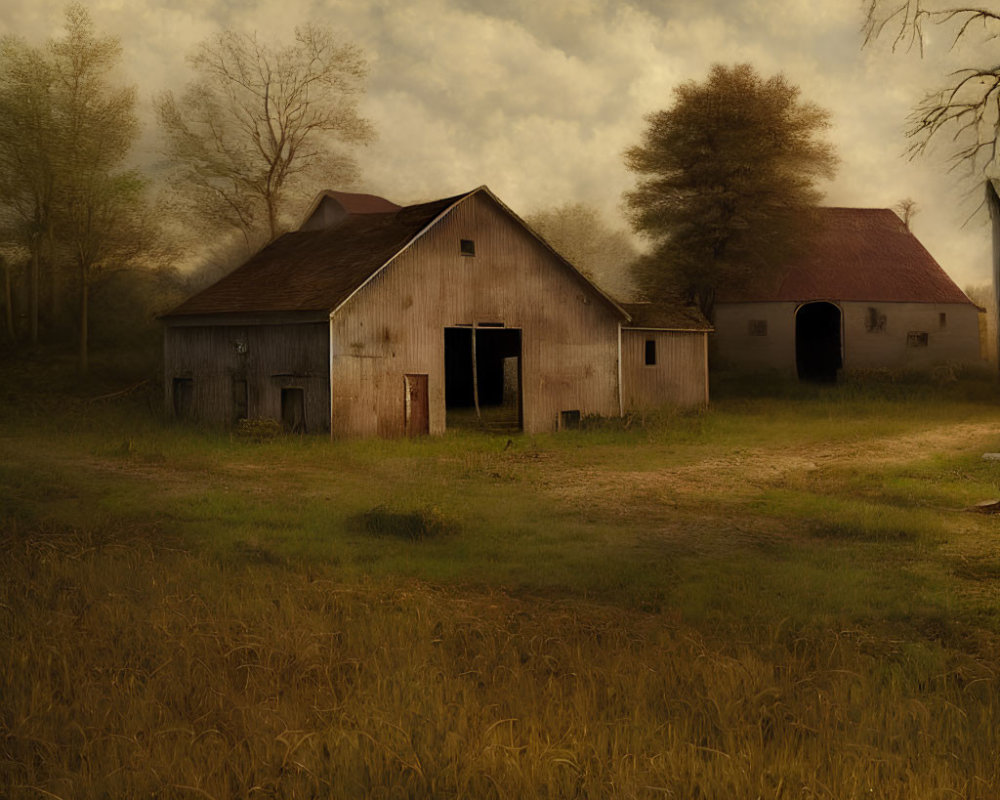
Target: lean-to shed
point(867, 294)
point(664, 356)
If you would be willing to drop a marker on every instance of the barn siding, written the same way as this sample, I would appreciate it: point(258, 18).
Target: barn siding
point(679, 376)
point(394, 326)
point(956, 343)
point(268, 357)
point(732, 347)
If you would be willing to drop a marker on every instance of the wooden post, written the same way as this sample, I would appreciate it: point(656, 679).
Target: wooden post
point(475, 375)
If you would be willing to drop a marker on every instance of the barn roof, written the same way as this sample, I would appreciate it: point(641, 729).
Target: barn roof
point(858, 254)
point(670, 316)
point(320, 269)
point(315, 270)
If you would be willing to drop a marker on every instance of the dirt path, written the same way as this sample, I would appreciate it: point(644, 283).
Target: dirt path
point(748, 469)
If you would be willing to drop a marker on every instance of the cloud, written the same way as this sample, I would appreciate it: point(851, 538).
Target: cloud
point(540, 99)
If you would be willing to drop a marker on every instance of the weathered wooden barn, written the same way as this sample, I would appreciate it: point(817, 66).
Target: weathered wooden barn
point(866, 295)
point(375, 319)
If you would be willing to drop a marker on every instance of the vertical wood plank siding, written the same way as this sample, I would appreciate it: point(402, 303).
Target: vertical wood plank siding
point(679, 376)
point(268, 357)
point(395, 325)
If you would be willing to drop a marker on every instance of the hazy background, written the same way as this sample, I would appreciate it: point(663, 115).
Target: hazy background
point(538, 100)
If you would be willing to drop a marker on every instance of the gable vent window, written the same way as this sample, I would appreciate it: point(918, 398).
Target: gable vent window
point(916, 339)
point(651, 352)
point(467, 247)
point(942, 320)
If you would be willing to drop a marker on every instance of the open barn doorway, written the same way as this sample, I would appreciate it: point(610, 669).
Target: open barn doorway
point(482, 386)
point(818, 354)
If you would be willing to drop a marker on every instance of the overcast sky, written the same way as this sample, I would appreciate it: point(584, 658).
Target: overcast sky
point(539, 98)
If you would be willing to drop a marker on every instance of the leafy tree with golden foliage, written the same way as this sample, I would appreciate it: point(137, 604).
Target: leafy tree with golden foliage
point(67, 129)
point(726, 183)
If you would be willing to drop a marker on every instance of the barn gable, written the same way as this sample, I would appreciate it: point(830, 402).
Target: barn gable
point(476, 287)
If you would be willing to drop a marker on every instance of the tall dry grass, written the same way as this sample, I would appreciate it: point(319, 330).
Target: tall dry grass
point(131, 667)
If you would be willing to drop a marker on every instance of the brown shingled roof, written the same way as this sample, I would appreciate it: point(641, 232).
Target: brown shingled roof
point(315, 270)
point(672, 316)
point(859, 254)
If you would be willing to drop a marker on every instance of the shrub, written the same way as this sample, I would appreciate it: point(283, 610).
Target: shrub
point(415, 525)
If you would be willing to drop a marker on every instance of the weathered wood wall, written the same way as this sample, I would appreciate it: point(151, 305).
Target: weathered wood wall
point(394, 326)
point(268, 357)
point(679, 377)
point(957, 342)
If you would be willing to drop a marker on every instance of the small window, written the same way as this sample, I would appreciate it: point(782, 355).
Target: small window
point(942, 320)
point(874, 320)
point(183, 397)
point(757, 327)
point(916, 339)
point(569, 420)
point(467, 247)
point(651, 352)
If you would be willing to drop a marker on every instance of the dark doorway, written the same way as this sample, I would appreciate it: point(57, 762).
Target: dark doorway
point(418, 420)
point(183, 397)
point(240, 399)
point(818, 353)
point(483, 377)
point(293, 410)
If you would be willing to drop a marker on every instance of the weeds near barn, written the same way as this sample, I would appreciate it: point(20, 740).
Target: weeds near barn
point(780, 597)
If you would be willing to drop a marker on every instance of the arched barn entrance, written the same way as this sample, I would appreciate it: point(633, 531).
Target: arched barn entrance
point(817, 342)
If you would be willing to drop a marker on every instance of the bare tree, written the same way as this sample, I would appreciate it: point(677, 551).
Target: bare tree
point(579, 233)
point(907, 209)
point(966, 110)
point(260, 119)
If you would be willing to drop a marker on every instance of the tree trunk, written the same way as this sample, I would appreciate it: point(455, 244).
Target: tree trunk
point(8, 303)
point(55, 285)
point(33, 294)
point(475, 376)
point(84, 309)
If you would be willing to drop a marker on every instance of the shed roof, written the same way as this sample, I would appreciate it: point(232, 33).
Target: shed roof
point(317, 270)
point(669, 316)
point(857, 254)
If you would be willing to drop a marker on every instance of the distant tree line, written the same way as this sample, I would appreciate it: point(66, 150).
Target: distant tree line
point(726, 177)
point(256, 125)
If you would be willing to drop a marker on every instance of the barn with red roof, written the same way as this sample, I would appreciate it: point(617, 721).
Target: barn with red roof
point(865, 295)
point(378, 319)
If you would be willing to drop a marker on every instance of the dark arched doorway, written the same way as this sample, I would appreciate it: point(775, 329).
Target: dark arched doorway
point(817, 342)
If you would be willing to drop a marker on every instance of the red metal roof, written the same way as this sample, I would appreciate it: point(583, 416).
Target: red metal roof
point(859, 254)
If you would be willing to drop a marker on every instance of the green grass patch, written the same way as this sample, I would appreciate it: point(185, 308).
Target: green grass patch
point(780, 596)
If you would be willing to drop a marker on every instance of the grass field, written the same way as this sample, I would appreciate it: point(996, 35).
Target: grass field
point(785, 596)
